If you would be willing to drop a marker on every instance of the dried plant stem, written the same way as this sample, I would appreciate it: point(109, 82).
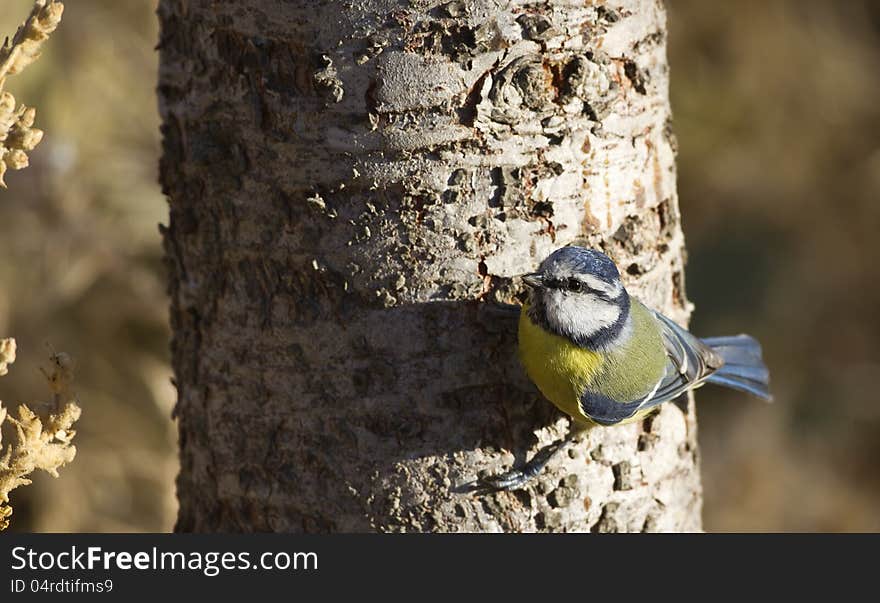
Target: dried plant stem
point(41, 439)
point(17, 134)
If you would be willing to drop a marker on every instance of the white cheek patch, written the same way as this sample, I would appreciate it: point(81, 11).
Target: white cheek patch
point(579, 315)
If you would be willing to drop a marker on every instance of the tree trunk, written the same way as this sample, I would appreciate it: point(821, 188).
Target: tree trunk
point(352, 185)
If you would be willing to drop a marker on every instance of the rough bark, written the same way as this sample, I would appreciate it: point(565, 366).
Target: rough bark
point(351, 185)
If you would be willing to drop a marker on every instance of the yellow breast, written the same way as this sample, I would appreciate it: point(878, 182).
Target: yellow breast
point(560, 369)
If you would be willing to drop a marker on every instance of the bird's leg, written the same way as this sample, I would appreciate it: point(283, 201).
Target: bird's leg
point(515, 478)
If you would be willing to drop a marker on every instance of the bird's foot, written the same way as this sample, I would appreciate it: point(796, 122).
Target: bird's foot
point(516, 478)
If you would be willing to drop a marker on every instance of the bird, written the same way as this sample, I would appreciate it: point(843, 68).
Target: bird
point(605, 359)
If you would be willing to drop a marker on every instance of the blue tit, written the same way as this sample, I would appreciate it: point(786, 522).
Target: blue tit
point(604, 358)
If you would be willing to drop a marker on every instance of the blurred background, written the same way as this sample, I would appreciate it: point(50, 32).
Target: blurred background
point(82, 270)
point(777, 113)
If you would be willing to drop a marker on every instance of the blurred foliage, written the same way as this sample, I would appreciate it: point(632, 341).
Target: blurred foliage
point(778, 121)
point(777, 116)
point(82, 267)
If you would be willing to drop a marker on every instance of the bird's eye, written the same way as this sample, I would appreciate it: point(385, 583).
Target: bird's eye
point(573, 284)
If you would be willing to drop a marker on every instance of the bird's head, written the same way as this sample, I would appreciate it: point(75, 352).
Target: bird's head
point(577, 293)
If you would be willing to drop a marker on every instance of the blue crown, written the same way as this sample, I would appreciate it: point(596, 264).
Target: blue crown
point(582, 260)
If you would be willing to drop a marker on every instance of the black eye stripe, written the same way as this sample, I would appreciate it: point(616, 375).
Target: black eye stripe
point(564, 285)
point(570, 284)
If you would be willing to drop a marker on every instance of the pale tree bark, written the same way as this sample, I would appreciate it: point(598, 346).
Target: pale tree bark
point(352, 184)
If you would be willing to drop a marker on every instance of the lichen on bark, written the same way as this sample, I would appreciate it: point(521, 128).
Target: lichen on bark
point(352, 185)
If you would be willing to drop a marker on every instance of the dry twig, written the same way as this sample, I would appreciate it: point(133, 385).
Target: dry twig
point(41, 439)
point(17, 134)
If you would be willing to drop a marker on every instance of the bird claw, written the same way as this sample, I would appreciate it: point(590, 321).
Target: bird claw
point(516, 478)
point(509, 480)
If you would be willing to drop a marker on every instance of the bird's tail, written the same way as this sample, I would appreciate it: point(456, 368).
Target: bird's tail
point(743, 367)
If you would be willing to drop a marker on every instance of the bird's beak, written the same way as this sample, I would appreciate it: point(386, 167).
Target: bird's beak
point(535, 279)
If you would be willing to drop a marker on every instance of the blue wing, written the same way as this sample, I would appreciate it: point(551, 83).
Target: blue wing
point(689, 363)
